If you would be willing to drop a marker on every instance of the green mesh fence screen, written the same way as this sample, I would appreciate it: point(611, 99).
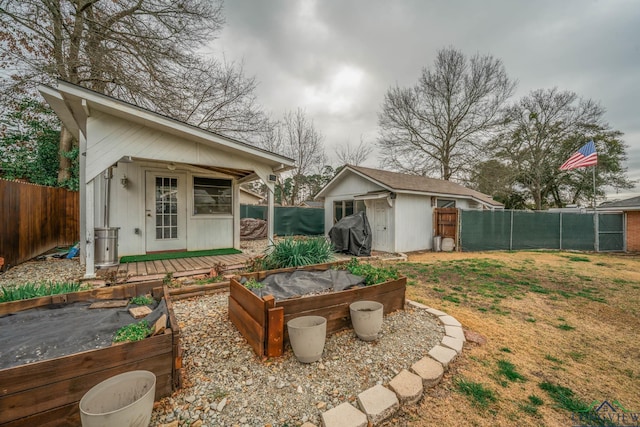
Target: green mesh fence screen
point(611, 232)
point(289, 221)
point(513, 230)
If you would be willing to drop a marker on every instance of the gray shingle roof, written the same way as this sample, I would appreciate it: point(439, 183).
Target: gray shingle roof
point(405, 182)
point(633, 202)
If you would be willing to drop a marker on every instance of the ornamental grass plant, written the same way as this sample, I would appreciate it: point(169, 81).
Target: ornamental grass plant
point(34, 290)
point(291, 252)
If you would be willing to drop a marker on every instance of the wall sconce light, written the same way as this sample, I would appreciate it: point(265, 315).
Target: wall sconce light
point(124, 181)
point(171, 166)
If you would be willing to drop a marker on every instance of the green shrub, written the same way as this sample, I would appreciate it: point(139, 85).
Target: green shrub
point(372, 275)
point(292, 252)
point(34, 290)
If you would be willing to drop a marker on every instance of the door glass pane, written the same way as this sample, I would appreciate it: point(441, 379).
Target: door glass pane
point(166, 208)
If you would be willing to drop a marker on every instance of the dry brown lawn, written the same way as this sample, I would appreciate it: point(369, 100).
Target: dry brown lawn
point(567, 319)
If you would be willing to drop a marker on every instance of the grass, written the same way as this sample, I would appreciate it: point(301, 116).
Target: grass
point(34, 290)
point(478, 394)
point(551, 321)
point(175, 255)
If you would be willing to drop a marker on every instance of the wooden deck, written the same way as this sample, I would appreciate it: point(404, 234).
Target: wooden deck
point(178, 267)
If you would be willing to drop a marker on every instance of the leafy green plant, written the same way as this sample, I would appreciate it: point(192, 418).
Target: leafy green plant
point(372, 275)
point(479, 395)
point(253, 284)
point(133, 332)
point(292, 252)
point(142, 300)
point(34, 290)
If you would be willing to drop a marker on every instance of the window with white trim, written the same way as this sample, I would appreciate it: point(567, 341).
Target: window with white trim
point(212, 196)
point(446, 203)
point(342, 208)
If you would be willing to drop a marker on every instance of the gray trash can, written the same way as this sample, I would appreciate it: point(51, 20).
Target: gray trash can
point(106, 246)
point(437, 242)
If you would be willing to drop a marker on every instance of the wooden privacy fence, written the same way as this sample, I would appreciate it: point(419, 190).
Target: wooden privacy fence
point(35, 219)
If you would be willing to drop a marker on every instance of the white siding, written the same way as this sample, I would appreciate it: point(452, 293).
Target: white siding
point(413, 223)
point(349, 186)
point(127, 211)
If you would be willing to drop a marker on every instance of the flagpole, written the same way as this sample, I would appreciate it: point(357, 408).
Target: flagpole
point(596, 225)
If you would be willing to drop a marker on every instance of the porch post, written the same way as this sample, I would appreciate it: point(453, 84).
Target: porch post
point(270, 213)
point(82, 196)
point(90, 269)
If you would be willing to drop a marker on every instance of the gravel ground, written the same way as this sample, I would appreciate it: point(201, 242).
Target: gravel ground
point(50, 270)
point(227, 385)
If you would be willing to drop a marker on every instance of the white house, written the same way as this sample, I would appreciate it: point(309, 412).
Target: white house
point(400, 207)
point(167, 185)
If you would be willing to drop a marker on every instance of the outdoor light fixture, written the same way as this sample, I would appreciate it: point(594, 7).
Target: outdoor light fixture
point(124, 181)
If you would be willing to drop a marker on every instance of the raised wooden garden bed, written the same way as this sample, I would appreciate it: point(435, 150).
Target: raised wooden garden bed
point(47, 393)
point(262, 320)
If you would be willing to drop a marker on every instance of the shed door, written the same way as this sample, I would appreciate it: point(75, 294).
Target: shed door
point(380, 239)
point(166, 212)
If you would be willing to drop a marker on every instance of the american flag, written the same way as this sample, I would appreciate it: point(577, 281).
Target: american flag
point(586, 156)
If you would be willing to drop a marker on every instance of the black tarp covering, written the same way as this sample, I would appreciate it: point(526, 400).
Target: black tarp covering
point(301, 282)
point(352, 234)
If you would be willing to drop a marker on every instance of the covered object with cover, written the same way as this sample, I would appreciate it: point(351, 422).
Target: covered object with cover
point(352, 234)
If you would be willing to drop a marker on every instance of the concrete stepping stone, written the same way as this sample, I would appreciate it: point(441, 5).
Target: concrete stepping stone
point(453, 343)
point(436, 312)
point(417, 305)
point(454, 331)
point(449, 320)
point(442, 354)
point(344, 415)
point(379, 403)
point(407, 386)
point(429, 370)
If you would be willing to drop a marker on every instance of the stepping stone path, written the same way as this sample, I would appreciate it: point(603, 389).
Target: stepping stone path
point(379, 403)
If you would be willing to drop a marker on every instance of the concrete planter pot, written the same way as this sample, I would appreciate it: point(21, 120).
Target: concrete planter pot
point(123, 400)
point(307, 335)
point(366, 318)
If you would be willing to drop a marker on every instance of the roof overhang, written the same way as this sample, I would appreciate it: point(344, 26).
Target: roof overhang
point(74, 105)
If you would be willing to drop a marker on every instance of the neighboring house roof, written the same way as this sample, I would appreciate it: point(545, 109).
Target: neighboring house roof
point(632, 204)
point(253, 194)
point(405, 183)
point(312, 204)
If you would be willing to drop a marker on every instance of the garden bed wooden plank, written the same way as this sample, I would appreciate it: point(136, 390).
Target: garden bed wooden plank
point(46, 393)
point(53, 395)
point(251, 330)
point(246, 307)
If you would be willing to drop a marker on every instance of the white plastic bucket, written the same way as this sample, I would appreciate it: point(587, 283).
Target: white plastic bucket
point(123, 400)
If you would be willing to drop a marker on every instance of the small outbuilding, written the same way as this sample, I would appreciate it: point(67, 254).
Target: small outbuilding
point(402, 209)
point(163, 184)
point(630, 208)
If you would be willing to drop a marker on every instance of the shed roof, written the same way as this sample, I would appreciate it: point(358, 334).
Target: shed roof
point(402, 182)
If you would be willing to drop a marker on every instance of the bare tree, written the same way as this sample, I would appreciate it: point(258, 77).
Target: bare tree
point(542, 130)
point(303, 143)
point(142, 51)
point(437, 126)
point(348, 155)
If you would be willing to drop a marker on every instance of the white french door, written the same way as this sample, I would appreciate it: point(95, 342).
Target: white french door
point(166, 211)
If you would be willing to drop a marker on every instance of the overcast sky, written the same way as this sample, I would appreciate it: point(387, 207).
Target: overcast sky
point(337, 58)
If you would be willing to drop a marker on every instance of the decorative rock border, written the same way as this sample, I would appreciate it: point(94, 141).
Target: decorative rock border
point(379, 403)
